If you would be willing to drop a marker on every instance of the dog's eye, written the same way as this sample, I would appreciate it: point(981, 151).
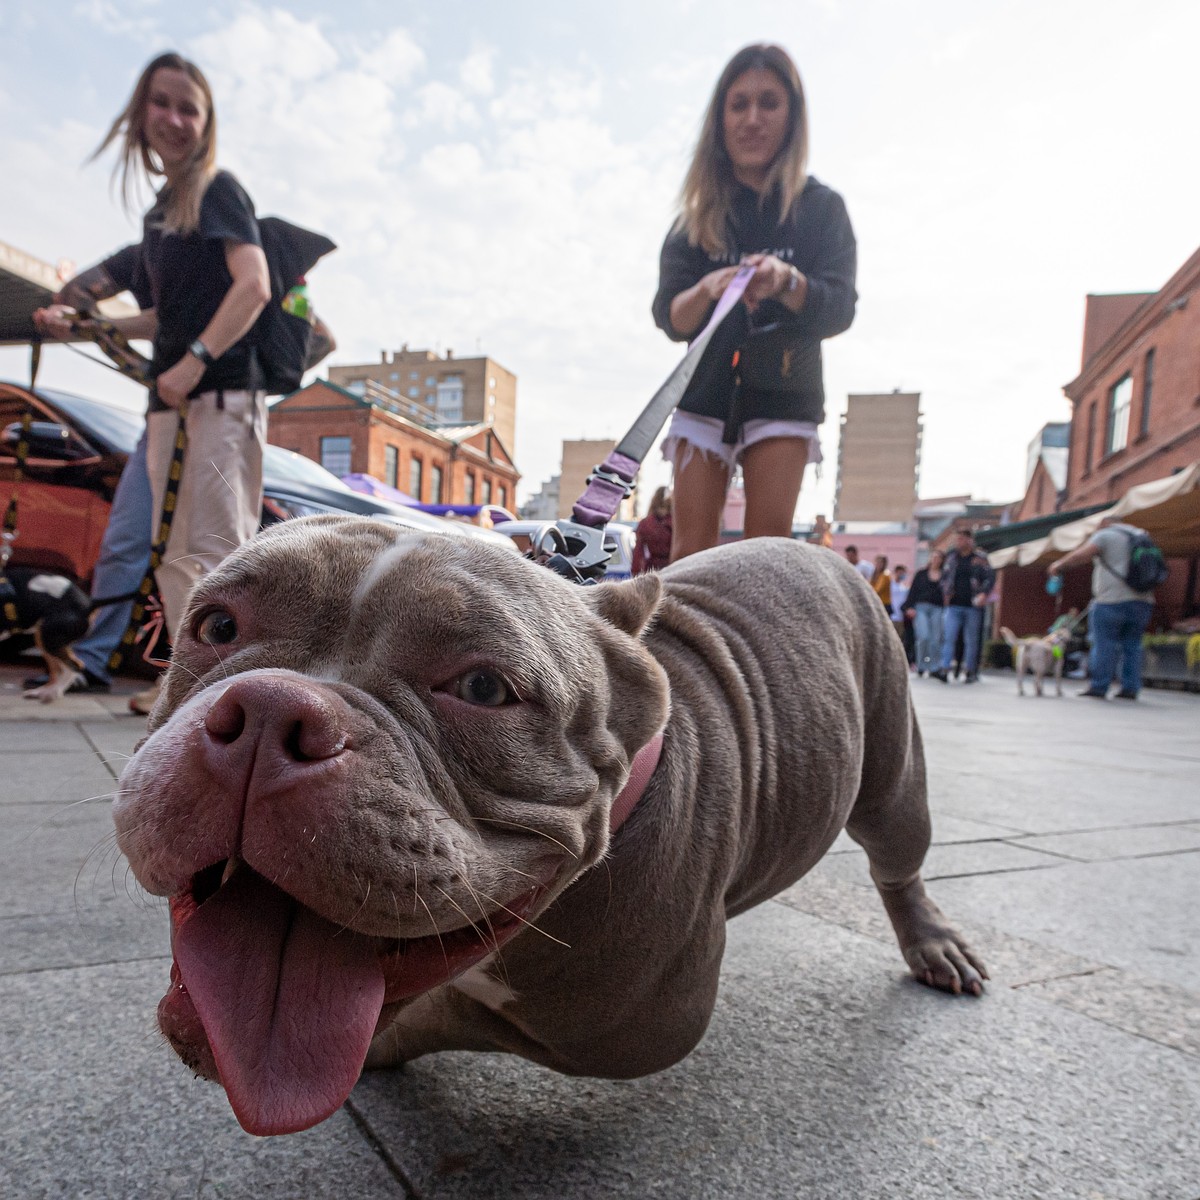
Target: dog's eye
point(217, 628)
point(484, 688)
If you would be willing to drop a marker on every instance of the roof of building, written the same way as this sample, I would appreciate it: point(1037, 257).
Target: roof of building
point(27, 283)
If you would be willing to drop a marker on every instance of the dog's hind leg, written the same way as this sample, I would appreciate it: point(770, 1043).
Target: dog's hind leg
point(890, 820)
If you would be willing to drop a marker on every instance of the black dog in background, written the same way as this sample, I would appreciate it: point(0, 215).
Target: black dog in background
point(56, 612)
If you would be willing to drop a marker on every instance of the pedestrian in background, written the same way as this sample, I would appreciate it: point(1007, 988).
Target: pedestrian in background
point(1118, 616)
point(924, 606)
point(748, 198)
point(652, 537)
point(863, 568)
point(124, 555)
point(881, 582)
point(900, 618)
point(967, 581)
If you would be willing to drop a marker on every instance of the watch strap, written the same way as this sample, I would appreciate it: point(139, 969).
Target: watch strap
point(201, 351)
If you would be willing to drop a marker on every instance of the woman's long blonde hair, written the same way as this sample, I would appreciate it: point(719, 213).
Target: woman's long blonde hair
point(183, 203)
point(707, 193)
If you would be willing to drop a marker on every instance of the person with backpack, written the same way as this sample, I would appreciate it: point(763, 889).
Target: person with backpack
point(1126, 568)
point(209, 282)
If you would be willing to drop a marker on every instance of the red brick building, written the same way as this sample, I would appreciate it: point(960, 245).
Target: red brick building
point(350, 434)
point(1136, 399)
point(1135, 419)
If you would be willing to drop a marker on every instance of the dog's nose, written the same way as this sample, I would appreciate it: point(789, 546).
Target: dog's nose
point(275, 728)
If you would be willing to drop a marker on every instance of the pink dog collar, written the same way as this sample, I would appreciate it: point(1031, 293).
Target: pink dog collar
point(644, 763)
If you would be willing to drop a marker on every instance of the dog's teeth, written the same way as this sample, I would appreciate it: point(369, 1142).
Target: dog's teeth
point(231, 866)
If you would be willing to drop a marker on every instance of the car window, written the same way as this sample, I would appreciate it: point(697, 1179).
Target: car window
point(284, 464)
point(120, 427)
point(13, 408)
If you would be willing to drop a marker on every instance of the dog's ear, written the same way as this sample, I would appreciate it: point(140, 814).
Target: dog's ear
point(628, 605)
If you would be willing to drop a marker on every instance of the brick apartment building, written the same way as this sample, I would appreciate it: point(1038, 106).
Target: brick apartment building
point(370, 432)
point(456, 391)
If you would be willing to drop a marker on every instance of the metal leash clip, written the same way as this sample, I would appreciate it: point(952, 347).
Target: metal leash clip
point(576, 552)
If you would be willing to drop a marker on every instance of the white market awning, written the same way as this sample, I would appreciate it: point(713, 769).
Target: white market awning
point(1167, 509)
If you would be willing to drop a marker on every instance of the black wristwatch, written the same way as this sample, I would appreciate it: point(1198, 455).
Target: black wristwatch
point(200, 350)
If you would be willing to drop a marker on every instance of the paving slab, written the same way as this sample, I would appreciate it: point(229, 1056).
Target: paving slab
point(951, 860)
point(95, 1105)
point(1099, 845)
point(825, 1073)
point(1138, 914)
point(21, 737)
point(54, 778)
point(60, 857)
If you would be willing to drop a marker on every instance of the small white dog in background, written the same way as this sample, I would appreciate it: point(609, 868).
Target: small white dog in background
point(1039, 656)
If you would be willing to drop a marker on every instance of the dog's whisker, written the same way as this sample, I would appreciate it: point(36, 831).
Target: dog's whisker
point(528, 924)
point(528, 829)
point(441, 944)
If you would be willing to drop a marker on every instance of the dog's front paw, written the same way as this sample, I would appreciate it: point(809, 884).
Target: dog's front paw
point(945, 961)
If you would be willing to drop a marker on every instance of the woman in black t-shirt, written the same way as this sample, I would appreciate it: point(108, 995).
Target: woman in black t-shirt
point(757, 396)
point(209, 283)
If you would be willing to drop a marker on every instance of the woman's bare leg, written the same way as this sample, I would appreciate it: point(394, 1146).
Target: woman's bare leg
point(773, 471)
point(701, 480)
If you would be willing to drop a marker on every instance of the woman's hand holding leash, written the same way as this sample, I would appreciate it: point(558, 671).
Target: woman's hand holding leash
point(176, 383)
point(53, 321)
point(775, 280)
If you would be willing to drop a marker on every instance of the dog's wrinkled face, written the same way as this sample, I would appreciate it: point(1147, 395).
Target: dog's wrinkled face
point(378, 756)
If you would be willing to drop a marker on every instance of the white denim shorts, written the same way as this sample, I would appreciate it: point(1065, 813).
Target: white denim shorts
point(705, 433)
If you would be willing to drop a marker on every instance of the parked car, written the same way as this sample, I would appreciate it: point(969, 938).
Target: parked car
point(77, 448)
point(618, 537)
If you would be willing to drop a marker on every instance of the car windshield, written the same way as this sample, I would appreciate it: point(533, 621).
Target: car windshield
point(119, 426)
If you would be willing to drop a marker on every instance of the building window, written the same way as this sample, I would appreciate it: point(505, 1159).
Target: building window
point(395, 375)
point(435, 485)
point(450, 399)
point(414, 479)
point(1120, 397)
point(391, 465)
point(1091, 439)
point(1147, 392)
point(1039, 495)
point(335, 455)
point(487, 491)
point(414, 392)
point(469, 488)
point(430, 380)
point(502, 496)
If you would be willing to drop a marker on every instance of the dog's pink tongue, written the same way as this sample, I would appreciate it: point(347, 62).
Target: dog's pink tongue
point(288, 1000)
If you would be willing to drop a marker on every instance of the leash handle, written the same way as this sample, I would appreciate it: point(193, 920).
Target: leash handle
point(612, 480)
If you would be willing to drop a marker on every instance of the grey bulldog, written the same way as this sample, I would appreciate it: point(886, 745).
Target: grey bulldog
point(387, 792)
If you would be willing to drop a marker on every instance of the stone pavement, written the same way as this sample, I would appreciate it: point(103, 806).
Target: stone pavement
point(1067, 843)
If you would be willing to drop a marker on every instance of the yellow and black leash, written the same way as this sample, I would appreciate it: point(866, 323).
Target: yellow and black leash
point(158, 551)
point(113, 343)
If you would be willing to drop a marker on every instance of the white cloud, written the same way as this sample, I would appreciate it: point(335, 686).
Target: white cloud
point(442, 106)
point(395, 59)
point(475, 71)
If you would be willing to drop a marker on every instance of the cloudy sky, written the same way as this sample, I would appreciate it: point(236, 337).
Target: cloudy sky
point(500, 176)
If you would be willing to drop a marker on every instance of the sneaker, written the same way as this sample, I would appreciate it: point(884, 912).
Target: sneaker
point(920, 673)
point(142, 702)
point(1124, 694)
point(972, 677)
point(87, 682)
point(1092, 694)
point(939, 675)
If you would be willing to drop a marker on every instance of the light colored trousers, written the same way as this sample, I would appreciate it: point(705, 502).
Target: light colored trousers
point(220, 491)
